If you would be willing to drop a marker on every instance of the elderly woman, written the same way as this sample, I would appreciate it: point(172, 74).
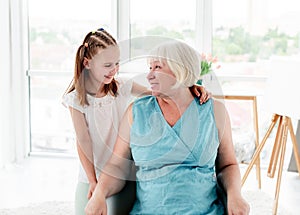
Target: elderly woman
point(180, 148)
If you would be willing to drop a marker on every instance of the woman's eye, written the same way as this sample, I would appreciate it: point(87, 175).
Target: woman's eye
point(155, 67)
point(107, 65)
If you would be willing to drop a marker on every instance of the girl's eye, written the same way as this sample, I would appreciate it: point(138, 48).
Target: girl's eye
point(111, 65)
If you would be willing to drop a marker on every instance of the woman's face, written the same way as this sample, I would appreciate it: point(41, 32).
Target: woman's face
point(160, 78)
point(104, 65)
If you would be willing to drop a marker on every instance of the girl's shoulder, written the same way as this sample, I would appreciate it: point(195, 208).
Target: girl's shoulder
point(71, 100)
point(69, 97)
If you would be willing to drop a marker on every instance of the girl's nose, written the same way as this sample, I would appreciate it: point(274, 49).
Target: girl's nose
point(114, 70)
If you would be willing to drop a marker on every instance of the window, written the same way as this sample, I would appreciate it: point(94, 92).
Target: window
point(153, 22)
point(56, 30)
point(247, 35)
point(163, 18)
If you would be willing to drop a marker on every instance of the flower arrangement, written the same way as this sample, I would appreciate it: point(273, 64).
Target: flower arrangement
point(207, 63)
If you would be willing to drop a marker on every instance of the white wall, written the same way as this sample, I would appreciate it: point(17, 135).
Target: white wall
point(14, 133)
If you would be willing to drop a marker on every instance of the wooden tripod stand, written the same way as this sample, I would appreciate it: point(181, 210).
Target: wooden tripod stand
point(279, 147)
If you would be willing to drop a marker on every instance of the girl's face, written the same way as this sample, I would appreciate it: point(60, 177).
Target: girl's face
point(161, 78)
point(104, 65)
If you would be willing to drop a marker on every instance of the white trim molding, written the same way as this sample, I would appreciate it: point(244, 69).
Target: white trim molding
point(204, 26)
point(14, 123)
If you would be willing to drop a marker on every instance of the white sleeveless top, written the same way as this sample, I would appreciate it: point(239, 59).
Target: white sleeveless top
point(103, 116)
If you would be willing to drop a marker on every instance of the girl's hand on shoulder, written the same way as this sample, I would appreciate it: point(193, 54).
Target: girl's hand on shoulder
point(200, 92)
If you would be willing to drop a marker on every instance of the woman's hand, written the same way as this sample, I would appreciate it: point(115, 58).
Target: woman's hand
point(237, 206)
point(200, 91)
point(96, 205)
point(91, 189)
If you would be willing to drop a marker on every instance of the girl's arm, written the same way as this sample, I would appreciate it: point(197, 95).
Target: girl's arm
point(197, 90)
point(139, 90)
point(200, 92)
point(84, 147)
point(116, 171)
point(227, 167)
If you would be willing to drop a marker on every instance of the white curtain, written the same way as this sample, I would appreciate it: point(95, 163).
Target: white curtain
point(14, 132)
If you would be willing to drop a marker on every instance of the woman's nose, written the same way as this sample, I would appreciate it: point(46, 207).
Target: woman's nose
point(150, 74)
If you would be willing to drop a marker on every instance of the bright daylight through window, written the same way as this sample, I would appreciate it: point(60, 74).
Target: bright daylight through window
point(245, 38)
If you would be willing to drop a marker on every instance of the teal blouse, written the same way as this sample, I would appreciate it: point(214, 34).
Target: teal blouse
point(175, 164)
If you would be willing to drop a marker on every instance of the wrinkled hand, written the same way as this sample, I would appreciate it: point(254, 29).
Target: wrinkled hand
point(91, 189)
point(237, 206)
point(200, 91)
point(96, 206)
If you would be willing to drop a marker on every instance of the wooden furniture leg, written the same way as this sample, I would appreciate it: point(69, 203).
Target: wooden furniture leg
point(275, 151)
point(259, 148)
point(281, 149)
point(278, 152)
point(255, 123)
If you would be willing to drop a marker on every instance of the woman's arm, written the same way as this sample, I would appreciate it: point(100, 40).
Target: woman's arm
point(227, 167)
point(84, 147)
point(116, 171)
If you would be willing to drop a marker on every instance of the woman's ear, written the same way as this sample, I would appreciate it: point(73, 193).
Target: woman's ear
point(86, 63)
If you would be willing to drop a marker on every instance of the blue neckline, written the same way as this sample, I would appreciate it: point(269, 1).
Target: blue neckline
point(157, 107)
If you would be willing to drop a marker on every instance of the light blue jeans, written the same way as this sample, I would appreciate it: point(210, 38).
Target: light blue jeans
point(81, 198)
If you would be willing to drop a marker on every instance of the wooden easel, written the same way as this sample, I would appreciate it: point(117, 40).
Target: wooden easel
point(279, 147)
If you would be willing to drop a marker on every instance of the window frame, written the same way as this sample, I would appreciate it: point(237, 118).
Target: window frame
point(120, 21)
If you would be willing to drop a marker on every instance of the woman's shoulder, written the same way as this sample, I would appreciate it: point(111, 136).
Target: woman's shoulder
point(145, 100)
point(213, 106)
point(220, 112)
point(218, 104)
point(144, 103)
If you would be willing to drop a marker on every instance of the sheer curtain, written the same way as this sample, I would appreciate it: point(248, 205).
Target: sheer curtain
point(13, 83)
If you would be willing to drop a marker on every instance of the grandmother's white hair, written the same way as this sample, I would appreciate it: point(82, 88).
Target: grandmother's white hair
point(183, 60)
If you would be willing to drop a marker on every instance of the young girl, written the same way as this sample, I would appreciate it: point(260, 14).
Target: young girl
point(97, 101)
